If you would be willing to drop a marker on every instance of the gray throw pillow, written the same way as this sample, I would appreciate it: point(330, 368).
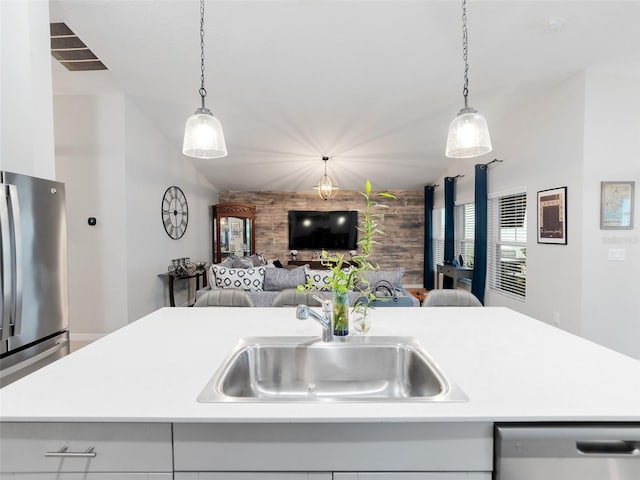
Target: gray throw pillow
point(394, 277)
point(276, 279)
point(242, 263)
point(257, 260)
point(227, 262)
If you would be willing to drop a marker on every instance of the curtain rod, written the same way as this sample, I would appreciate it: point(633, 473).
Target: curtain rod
point(495, 160)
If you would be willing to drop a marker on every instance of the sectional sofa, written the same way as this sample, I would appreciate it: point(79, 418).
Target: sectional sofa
point(263, 283)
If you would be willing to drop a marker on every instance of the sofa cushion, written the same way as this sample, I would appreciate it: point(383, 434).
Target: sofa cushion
point(394, 277)
point(251, 279)
point(276, 279)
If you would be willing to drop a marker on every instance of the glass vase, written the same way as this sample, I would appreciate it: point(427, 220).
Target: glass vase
point(340, 313)
point(360, 319)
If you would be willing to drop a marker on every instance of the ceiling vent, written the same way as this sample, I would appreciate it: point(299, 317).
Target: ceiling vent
point(70, 51)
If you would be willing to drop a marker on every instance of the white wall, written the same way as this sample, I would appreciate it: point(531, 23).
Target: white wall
point(117, 166)
point(540, 140)
point(576, 134)
point(611, 290)
point(26, 113)
point(153, 165)
point(90, 154)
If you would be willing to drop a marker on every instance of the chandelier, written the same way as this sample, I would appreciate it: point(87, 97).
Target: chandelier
point(326, 187)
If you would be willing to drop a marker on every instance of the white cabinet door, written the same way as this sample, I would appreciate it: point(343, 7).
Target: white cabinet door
point(85, 448)
point(412, 476)
point(87, 476)
point(252, 476)
point(321, 447)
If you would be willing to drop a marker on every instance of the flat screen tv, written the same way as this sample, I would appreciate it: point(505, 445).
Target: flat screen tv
point(313, 230)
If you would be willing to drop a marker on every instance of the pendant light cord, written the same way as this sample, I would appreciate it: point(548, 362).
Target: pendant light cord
point(202, 91)
point(465, 53)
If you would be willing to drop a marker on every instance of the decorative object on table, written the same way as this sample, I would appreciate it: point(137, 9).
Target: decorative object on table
point(552, 216)
point(616, 205)
point(203, 136)
point(175, 212)
point(468, 132)
point(326, 186)
point(294, 255)
point(342, 280)
point(182, 267)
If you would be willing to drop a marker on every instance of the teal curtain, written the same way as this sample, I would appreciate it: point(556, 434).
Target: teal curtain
point(449, 205)
point(428, 275)
point(478, 282)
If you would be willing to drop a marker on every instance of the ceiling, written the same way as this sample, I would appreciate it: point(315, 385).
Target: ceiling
point(371, 84)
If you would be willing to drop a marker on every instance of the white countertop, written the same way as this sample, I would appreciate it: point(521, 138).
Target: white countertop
point(511, 367)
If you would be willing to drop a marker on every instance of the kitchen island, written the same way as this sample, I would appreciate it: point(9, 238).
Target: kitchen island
point(150, 373)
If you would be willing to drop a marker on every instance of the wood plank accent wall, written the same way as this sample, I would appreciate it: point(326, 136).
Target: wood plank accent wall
point(402, 246)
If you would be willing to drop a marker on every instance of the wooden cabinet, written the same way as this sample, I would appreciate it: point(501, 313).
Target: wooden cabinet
point(86, 451)
point(233, 230)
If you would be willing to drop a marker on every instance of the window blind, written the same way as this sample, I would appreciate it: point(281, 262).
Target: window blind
point(507, 245)
point(465, 230)
point(438, 237)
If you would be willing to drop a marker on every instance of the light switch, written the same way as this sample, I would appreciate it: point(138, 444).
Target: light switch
point(616, 254)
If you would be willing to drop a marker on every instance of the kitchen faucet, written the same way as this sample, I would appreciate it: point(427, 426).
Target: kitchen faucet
point(303, 312)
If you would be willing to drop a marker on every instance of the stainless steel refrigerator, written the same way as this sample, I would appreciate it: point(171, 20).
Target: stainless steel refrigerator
point(33, 273)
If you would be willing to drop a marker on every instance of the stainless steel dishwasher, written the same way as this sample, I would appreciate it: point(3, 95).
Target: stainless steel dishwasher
point(567, 452)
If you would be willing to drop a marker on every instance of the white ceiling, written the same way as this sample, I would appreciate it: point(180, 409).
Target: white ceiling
point(372, 84)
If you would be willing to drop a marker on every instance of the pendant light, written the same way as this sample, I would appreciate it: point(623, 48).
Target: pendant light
point(203, 137)
point(468, 132)
point(326, 188)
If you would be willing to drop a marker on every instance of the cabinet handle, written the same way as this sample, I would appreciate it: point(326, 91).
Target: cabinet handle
point(89, 452)
point(608, 447)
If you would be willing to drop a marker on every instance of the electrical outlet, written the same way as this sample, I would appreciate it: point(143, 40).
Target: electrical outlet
point(616, 254)
point(556, 319)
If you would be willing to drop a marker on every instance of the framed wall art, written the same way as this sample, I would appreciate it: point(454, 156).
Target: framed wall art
point(552, 216)
point(616, 205)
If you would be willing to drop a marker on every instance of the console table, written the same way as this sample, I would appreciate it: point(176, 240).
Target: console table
point(172, 278)
point(455, 272)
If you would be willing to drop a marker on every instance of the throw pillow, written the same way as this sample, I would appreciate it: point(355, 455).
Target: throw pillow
point(227, 262)
point(394, 277)
point(320, 279)
point(257, 260)
point(211, 275)
point(276, 279)
point(242, 263)
point(251, 279)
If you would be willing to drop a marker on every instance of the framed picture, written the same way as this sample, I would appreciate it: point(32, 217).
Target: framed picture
point(552, 216)
point(616, 205)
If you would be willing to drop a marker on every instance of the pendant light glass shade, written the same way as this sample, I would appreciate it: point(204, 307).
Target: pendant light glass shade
point(326, 188)
point(203, 137)
point(468, 135)
point(468, 132)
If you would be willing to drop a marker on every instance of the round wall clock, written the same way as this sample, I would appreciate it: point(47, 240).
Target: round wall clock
point(175, 212)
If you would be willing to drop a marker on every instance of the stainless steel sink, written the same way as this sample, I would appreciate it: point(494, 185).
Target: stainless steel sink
point(302, 369)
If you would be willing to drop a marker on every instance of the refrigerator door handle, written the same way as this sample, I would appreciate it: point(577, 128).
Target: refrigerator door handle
point(7, 281)
point(17, 260)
